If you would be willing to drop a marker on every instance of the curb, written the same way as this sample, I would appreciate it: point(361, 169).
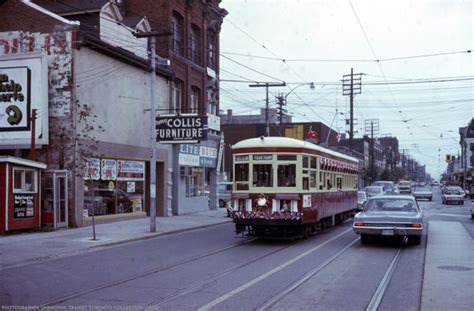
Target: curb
point(155, 235)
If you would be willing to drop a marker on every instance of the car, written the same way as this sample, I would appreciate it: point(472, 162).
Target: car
point(453, 195)
point(390, 216)
point(472, 209)
point(423, 193)
point(396, 190)
point(404, 186)
point(361, 200)
point(388, 186)
point(373, 191)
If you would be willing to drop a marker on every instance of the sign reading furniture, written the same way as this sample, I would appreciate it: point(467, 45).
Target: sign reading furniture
point(180, 129)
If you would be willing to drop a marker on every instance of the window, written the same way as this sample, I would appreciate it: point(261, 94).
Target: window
point(313, 162)
point(305, 161)
point(177, 95)
point(194, 100)
point(242, 176)
point(195, 183)
point(24, 180)
point(312, 179)
point(195, 46)
point(339, 182)
point(211, 50)
point(177, 28)
point(262, 175)
point(287, 175)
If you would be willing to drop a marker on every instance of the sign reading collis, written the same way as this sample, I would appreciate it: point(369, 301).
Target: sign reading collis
point(15, 99)
point(181, 128)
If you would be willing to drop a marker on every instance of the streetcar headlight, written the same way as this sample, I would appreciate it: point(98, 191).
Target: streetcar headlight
point(262, 201)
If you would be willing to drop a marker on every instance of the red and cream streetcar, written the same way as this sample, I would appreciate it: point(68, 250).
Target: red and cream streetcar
point(287, 187)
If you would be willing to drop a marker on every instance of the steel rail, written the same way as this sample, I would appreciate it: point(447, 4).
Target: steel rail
point(147, 273)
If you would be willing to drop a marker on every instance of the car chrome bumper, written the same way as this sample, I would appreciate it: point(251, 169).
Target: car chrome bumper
point(388, 231)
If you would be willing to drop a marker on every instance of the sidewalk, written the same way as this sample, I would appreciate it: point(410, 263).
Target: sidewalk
point(22, 249)
point(448, 282)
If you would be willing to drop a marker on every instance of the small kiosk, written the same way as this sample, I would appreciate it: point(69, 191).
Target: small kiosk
point(19, 193)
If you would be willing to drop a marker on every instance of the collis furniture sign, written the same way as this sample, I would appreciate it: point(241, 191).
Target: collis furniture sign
point(181, 128)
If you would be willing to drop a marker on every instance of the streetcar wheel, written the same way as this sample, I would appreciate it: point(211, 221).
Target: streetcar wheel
point(364, 238)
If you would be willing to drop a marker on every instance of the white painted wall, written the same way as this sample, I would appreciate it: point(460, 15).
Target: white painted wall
point(119, 94)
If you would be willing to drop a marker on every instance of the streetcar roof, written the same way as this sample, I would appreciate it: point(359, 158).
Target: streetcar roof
point(286, 142)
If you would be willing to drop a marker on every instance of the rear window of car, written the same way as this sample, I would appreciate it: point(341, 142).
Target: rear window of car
point(390, 205)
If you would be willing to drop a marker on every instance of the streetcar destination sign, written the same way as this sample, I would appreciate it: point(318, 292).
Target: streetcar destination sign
point(181, 128)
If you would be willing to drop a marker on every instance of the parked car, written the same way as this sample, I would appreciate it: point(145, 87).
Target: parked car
point(361, 200)
point(373, 191)
point(453, 195)
point(396, 190)
point(423, 193)
point(390, 216)
point(386, 185)
point(404, 186)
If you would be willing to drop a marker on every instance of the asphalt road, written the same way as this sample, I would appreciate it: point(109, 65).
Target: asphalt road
point(211, 269)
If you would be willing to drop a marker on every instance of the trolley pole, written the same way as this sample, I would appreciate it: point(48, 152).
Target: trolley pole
point(152, 37)
point(266, 85)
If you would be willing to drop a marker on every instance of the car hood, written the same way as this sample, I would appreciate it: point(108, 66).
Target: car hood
point(387, 216)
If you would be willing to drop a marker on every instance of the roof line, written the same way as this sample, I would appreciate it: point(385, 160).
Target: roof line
point(50, 14)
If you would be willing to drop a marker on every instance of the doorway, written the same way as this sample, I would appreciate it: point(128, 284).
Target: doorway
point(56, 196)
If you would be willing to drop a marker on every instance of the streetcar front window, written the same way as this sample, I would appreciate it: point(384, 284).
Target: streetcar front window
point(242, 176)
point(262, 175)
point(287, 175)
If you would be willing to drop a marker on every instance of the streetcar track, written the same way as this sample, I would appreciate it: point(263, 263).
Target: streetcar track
point(147, 273)
point(215, 278)
point(305, 278)
point(383, 285)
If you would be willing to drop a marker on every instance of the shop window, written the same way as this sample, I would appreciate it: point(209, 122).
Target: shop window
point(287, 175)
point(262, 175)
point(24, 180)
point(195, 183)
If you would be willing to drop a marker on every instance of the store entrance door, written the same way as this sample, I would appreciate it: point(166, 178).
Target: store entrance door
point(56, 194)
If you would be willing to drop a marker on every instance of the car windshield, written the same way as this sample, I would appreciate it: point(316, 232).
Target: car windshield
point(373, 190)
point(453, 191)
point(423, 189)
point(390, 205)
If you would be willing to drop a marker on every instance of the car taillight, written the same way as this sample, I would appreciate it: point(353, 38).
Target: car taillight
point(416, 225)
point(359, 224)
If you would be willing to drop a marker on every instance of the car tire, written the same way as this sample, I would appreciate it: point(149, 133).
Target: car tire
point(414, 239)
point(364, 238)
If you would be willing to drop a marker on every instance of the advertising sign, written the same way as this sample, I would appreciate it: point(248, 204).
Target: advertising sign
point(92, 169)
point(130, 170)
point(108, 169)
point(23, 87)
point(197, 155)
point(23, 205)
point(181, 128)
point(207, 157)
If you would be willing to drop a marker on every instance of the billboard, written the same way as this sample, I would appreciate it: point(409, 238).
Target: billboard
point(23, 87)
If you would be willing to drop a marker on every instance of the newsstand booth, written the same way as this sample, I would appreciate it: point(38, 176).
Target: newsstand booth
point(19, 193)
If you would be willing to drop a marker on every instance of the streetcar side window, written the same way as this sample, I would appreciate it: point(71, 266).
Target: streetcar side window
point(313, 162)
point(339, 182)
point(305, 161)
point(287, 175)
point(312, 179)
point(262, 175)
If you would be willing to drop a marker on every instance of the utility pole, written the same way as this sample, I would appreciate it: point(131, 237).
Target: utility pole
point(267, 85)
point(351, 85)
point(281, 111)
point(152, 39)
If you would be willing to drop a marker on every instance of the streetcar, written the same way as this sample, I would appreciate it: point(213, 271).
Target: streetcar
point(287, 188)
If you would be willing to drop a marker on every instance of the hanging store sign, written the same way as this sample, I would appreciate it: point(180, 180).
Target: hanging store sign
point(130, 170)
point(23, 87)
point(176, 129)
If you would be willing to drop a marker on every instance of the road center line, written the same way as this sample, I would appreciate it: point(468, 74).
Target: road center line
point(268, 274)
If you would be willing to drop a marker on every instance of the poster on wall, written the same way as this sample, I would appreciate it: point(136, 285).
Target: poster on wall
point(23, 205)
point(130, 170)
point(108, 169)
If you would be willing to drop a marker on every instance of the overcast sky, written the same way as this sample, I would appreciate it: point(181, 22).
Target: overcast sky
point(322, 39)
